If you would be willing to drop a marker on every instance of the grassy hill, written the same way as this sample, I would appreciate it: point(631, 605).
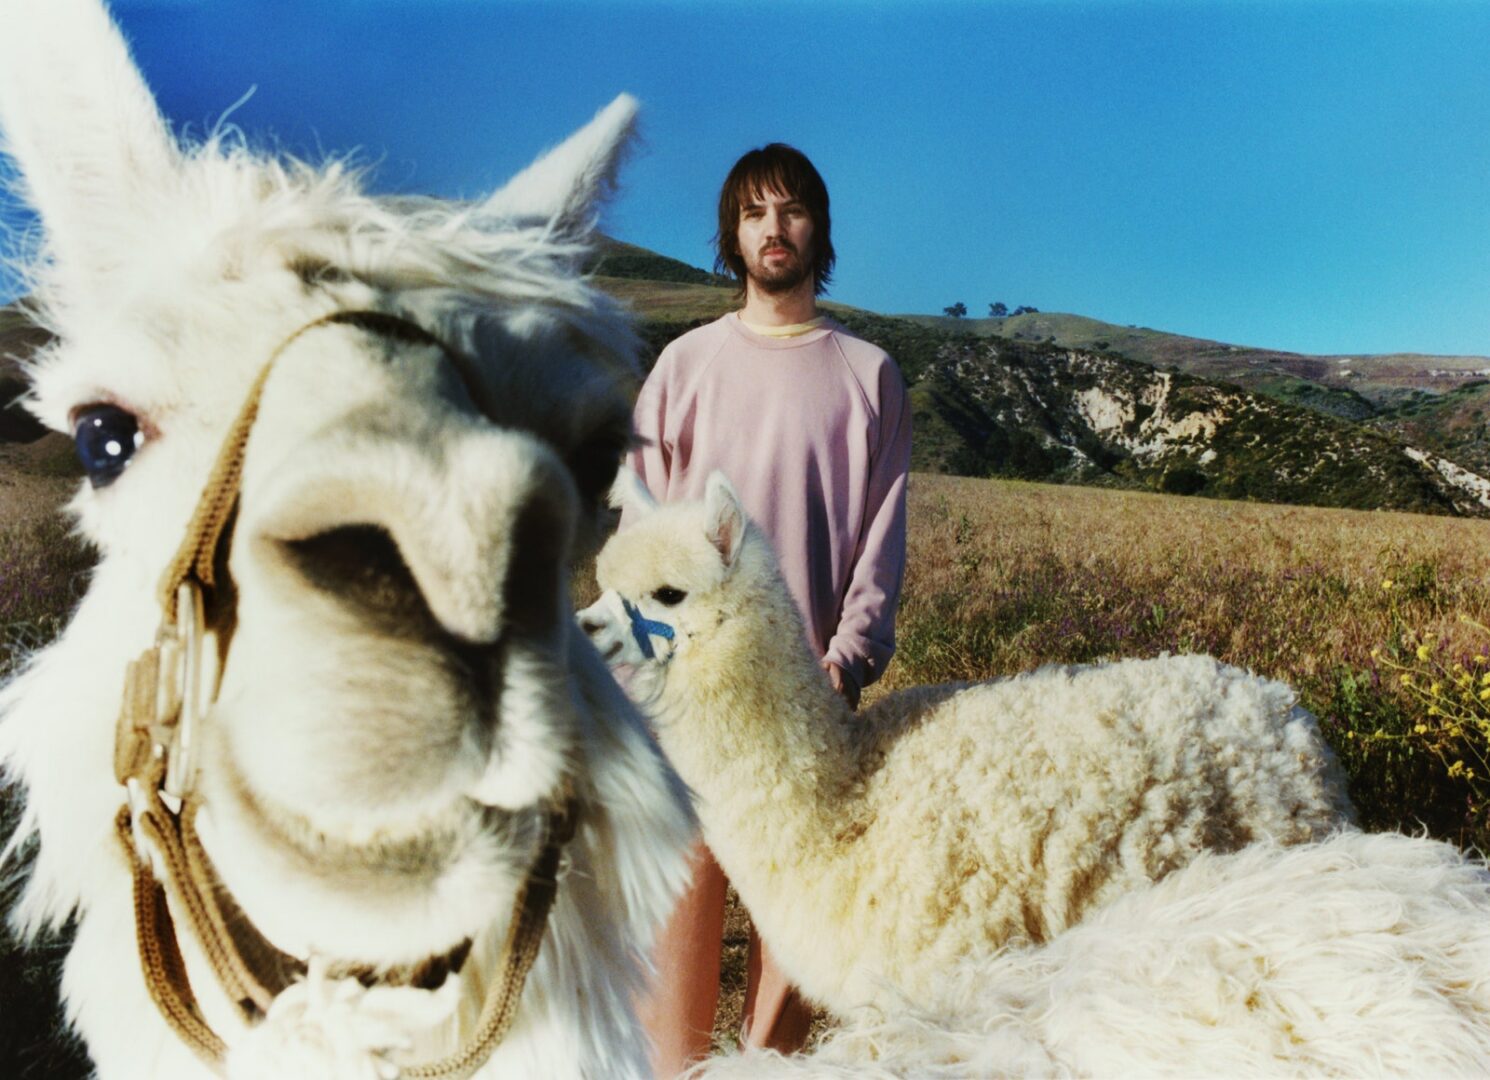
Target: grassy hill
point(1054, 397)
point(616, 258)
point(1064, 398)
point(1380, 381)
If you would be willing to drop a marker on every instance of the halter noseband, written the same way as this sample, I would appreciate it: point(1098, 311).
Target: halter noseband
point(168, 690)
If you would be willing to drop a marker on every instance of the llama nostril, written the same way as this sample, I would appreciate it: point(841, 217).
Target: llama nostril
point(361, 566)
point(591, 626)
point(532, 592)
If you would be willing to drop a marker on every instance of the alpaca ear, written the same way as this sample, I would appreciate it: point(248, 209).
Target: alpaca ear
point(563, 189)
point(628, 493)
point(83, 131)
point(724, 518)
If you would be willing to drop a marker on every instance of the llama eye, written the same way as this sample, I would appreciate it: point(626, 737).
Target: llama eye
point(669, 595)
point(105, 437)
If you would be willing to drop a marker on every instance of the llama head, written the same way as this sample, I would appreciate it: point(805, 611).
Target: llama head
point(443, 407)
point(672, 576)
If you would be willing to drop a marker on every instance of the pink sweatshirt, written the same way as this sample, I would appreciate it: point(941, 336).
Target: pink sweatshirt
point(814, 432)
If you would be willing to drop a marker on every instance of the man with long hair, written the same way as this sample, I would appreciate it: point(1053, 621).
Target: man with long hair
point(813, 428)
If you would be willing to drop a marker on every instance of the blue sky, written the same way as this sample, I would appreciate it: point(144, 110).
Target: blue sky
point(1311, 175)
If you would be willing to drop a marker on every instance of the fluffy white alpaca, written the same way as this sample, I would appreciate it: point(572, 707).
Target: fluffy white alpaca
point(1361, 955)
point(403, 699)
point(878, 850)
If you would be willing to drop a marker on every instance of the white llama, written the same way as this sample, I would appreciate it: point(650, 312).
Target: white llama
point(875, 851)
point(1360, 955)
point(371, 432)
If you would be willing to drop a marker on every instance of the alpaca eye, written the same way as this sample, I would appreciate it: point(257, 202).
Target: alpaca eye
point(669, 595)
point(105, 437)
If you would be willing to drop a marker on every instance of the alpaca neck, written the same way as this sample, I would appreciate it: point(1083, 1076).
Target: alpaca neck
point(757, 731)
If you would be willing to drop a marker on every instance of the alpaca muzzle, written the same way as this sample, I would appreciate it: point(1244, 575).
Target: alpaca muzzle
point(621, 633)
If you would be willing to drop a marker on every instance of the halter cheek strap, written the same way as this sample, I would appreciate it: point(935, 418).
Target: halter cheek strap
point(643, 629)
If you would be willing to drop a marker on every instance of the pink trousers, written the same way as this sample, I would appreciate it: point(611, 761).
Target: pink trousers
point(678, 1012)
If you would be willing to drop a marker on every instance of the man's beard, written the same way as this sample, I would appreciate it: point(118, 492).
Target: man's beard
point(783, 278)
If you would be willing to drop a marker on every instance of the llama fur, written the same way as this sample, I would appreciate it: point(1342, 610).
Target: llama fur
point(1360, 955)
point(373, 781)
point(876, 851)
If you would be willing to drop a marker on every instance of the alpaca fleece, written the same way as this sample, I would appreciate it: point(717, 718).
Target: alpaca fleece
point(1361, 955)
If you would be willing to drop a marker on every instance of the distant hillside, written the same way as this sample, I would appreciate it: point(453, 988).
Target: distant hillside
point(1129, 408)
point(1352, 385)
point(615, 258)
point(1024, 405)
point(1434, 402)
point(993, 407)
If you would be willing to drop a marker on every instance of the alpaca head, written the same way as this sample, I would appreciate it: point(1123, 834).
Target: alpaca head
point(672, 577)
point(444, 408)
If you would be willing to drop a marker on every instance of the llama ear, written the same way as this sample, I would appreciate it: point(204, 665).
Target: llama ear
point(563, 189)
point(83, 131)
point(628, 493)
point(724, 518)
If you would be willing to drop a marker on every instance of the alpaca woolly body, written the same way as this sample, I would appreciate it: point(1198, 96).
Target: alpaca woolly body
point(403, 702)
point(876, 850)
point(1361, 955)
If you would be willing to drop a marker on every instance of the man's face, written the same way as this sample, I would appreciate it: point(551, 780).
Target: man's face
point(775, 238)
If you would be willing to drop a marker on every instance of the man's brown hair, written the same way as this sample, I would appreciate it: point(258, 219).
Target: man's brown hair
point(782, 169)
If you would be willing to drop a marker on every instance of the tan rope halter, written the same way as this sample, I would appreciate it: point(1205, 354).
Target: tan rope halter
point(167, 690)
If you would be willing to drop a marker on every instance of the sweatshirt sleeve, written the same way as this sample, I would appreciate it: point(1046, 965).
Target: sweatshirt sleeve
point(865, 639)
point(651, 457)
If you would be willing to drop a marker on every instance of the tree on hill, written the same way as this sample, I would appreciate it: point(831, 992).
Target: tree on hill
point(1026, 311)
point(957, 310)
point(998, 310)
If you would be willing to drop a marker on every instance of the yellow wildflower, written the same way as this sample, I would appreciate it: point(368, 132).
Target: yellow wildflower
point(1420, 729)
point(1388, 583)
point(1424, 652)
point(1406, 678)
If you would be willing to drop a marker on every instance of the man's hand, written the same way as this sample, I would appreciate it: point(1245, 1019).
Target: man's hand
point(842, 683)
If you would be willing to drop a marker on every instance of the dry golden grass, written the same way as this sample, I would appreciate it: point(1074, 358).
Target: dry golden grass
point(1003, 576)
point(1029, 573)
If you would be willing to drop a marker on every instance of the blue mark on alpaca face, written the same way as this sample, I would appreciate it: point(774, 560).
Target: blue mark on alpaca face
point(643, 628)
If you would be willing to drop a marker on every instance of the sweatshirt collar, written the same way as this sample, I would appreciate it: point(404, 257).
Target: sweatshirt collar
point(815, 334)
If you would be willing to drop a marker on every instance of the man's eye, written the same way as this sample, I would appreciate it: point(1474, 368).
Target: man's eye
point(105, 437)
point(669, 596)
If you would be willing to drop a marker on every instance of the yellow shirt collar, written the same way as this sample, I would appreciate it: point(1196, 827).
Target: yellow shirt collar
point(785, 331)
